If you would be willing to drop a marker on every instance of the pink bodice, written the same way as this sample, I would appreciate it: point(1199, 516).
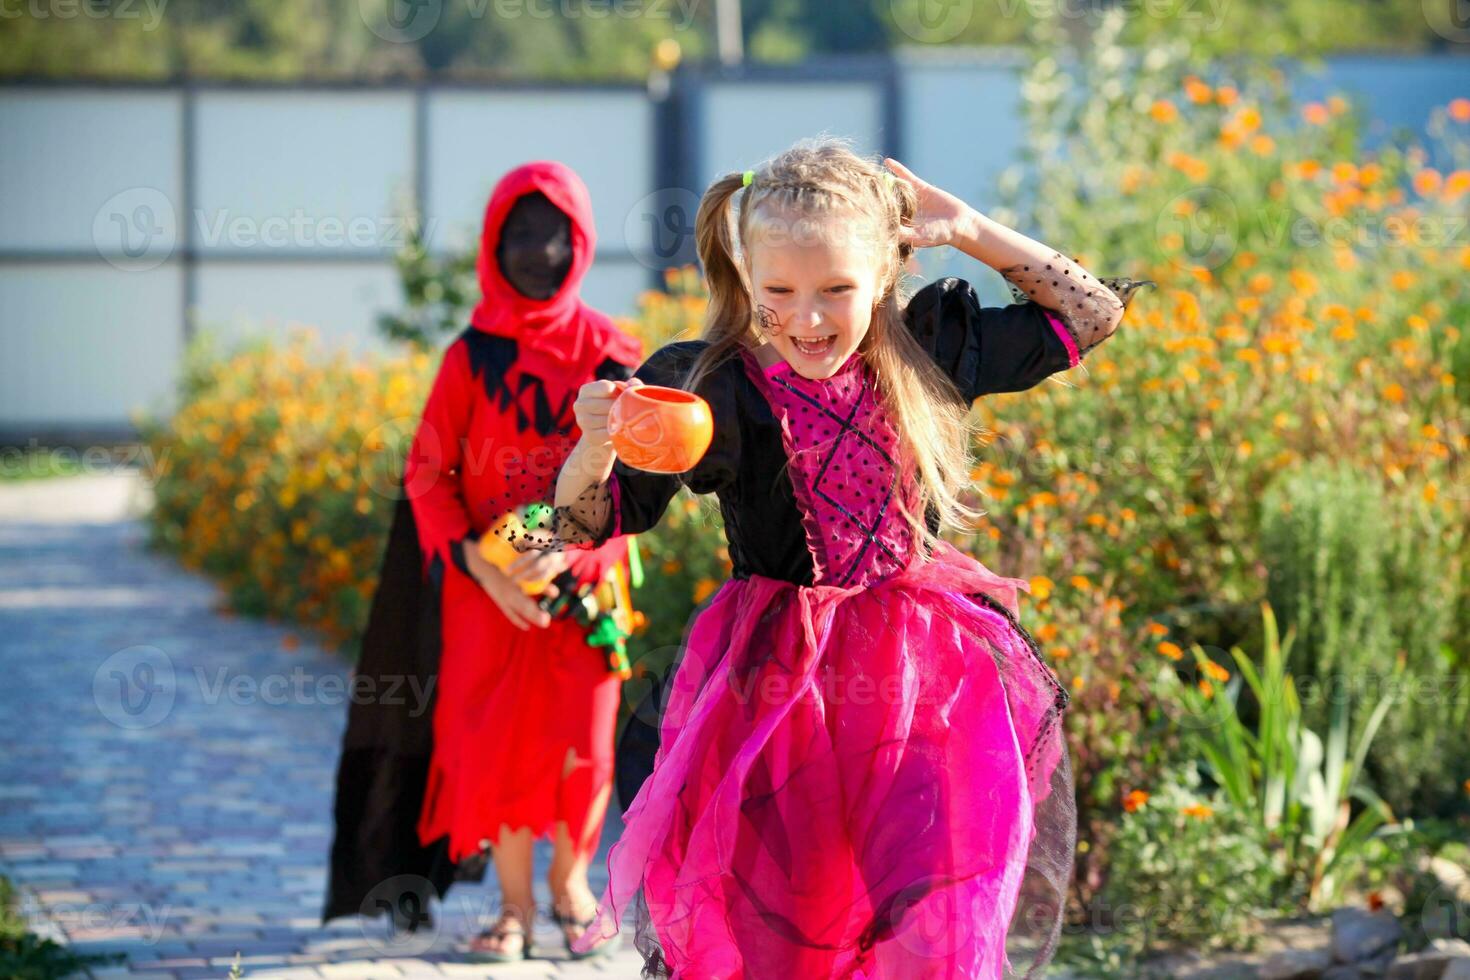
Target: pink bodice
point(848, 470)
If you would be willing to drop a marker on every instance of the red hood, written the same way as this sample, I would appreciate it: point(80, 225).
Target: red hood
point(560, 340)
point(504, 310)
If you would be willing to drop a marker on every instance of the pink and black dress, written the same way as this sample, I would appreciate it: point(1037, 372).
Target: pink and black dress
point(861, 769)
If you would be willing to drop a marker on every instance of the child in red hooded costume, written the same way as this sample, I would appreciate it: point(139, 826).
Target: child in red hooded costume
point(524, 710)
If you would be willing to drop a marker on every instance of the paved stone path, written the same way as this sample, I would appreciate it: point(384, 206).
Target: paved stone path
point(167, 770)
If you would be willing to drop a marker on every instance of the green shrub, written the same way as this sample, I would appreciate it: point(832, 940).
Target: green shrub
point(1189, 866)
point(1368, 580)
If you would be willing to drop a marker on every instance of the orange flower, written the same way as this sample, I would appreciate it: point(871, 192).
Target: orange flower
point(1198, 92)
point(1215, 671)
point(1041, 587)
point(1135, 800)
point(1315, 113)
point(1163, 111)
point(1199, 811)
point(1394, 392)
point(1226, 94)
point(1171, 650)
point(1427, 181)
point(1307, 169)
point(1080, 582)
point(1206, 688)
point(1460, 110)
point(1456, 184)
point(1157, 629)
point(704, 588)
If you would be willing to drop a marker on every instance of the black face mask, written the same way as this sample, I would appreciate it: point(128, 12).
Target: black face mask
point(535, 249)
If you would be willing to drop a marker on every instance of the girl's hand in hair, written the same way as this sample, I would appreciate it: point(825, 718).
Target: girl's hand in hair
point(940, 218)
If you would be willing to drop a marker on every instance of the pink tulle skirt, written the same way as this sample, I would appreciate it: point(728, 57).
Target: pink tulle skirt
point(867, 783)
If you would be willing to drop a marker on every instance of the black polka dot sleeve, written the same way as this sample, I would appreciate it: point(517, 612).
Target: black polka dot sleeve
point(986, 349)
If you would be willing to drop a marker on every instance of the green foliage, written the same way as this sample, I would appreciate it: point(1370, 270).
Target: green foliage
point(26, 956)
point(581, 39)
point(1368, 580)
point(1298, 786)
point(439, 293)
point(1189, 867)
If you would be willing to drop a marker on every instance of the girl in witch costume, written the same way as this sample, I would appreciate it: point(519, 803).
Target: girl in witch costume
point(861, 771)
point(520, 742)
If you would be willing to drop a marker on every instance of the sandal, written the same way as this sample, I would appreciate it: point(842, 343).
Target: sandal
point(608, 945)
point(498, 933)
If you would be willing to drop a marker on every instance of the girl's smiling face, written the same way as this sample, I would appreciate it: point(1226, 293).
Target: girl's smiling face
point(814, 295)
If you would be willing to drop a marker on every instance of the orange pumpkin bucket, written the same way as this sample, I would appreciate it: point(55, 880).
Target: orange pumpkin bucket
point(661, 430)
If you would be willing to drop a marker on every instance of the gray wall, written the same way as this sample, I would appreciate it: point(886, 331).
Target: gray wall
point(130, 216)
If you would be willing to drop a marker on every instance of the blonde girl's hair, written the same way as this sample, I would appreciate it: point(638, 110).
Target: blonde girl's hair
point(822, 184)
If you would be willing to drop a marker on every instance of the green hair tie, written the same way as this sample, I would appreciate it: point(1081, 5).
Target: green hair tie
point(748, 177)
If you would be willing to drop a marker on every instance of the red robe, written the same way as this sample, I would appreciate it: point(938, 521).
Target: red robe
point(497, 426)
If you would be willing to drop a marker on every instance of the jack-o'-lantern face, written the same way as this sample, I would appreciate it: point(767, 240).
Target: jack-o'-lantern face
point(661, 430)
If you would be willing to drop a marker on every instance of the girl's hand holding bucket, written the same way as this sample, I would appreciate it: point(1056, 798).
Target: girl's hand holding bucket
point(648, 427)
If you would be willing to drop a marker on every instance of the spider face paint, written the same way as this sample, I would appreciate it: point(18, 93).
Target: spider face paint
point(768, 320)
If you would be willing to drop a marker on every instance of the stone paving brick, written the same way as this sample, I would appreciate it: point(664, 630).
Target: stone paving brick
point(140, 799)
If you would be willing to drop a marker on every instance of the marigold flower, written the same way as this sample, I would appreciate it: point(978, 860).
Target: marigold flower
point(1171, 650)
point(1135, 800)
point(1215, 671)
point(1199, 811)
point(1163, 111)
point(1460, 110)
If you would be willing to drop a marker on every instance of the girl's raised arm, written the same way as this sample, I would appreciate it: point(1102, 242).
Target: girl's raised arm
point(1087, 309)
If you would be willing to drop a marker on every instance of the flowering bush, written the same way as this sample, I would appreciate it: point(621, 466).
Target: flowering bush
point(1309, 302)
point(278, 473)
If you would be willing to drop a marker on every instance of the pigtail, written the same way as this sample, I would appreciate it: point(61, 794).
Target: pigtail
point(728, 318)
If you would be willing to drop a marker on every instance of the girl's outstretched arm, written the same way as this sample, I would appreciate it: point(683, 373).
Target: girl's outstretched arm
point(1089, 310)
